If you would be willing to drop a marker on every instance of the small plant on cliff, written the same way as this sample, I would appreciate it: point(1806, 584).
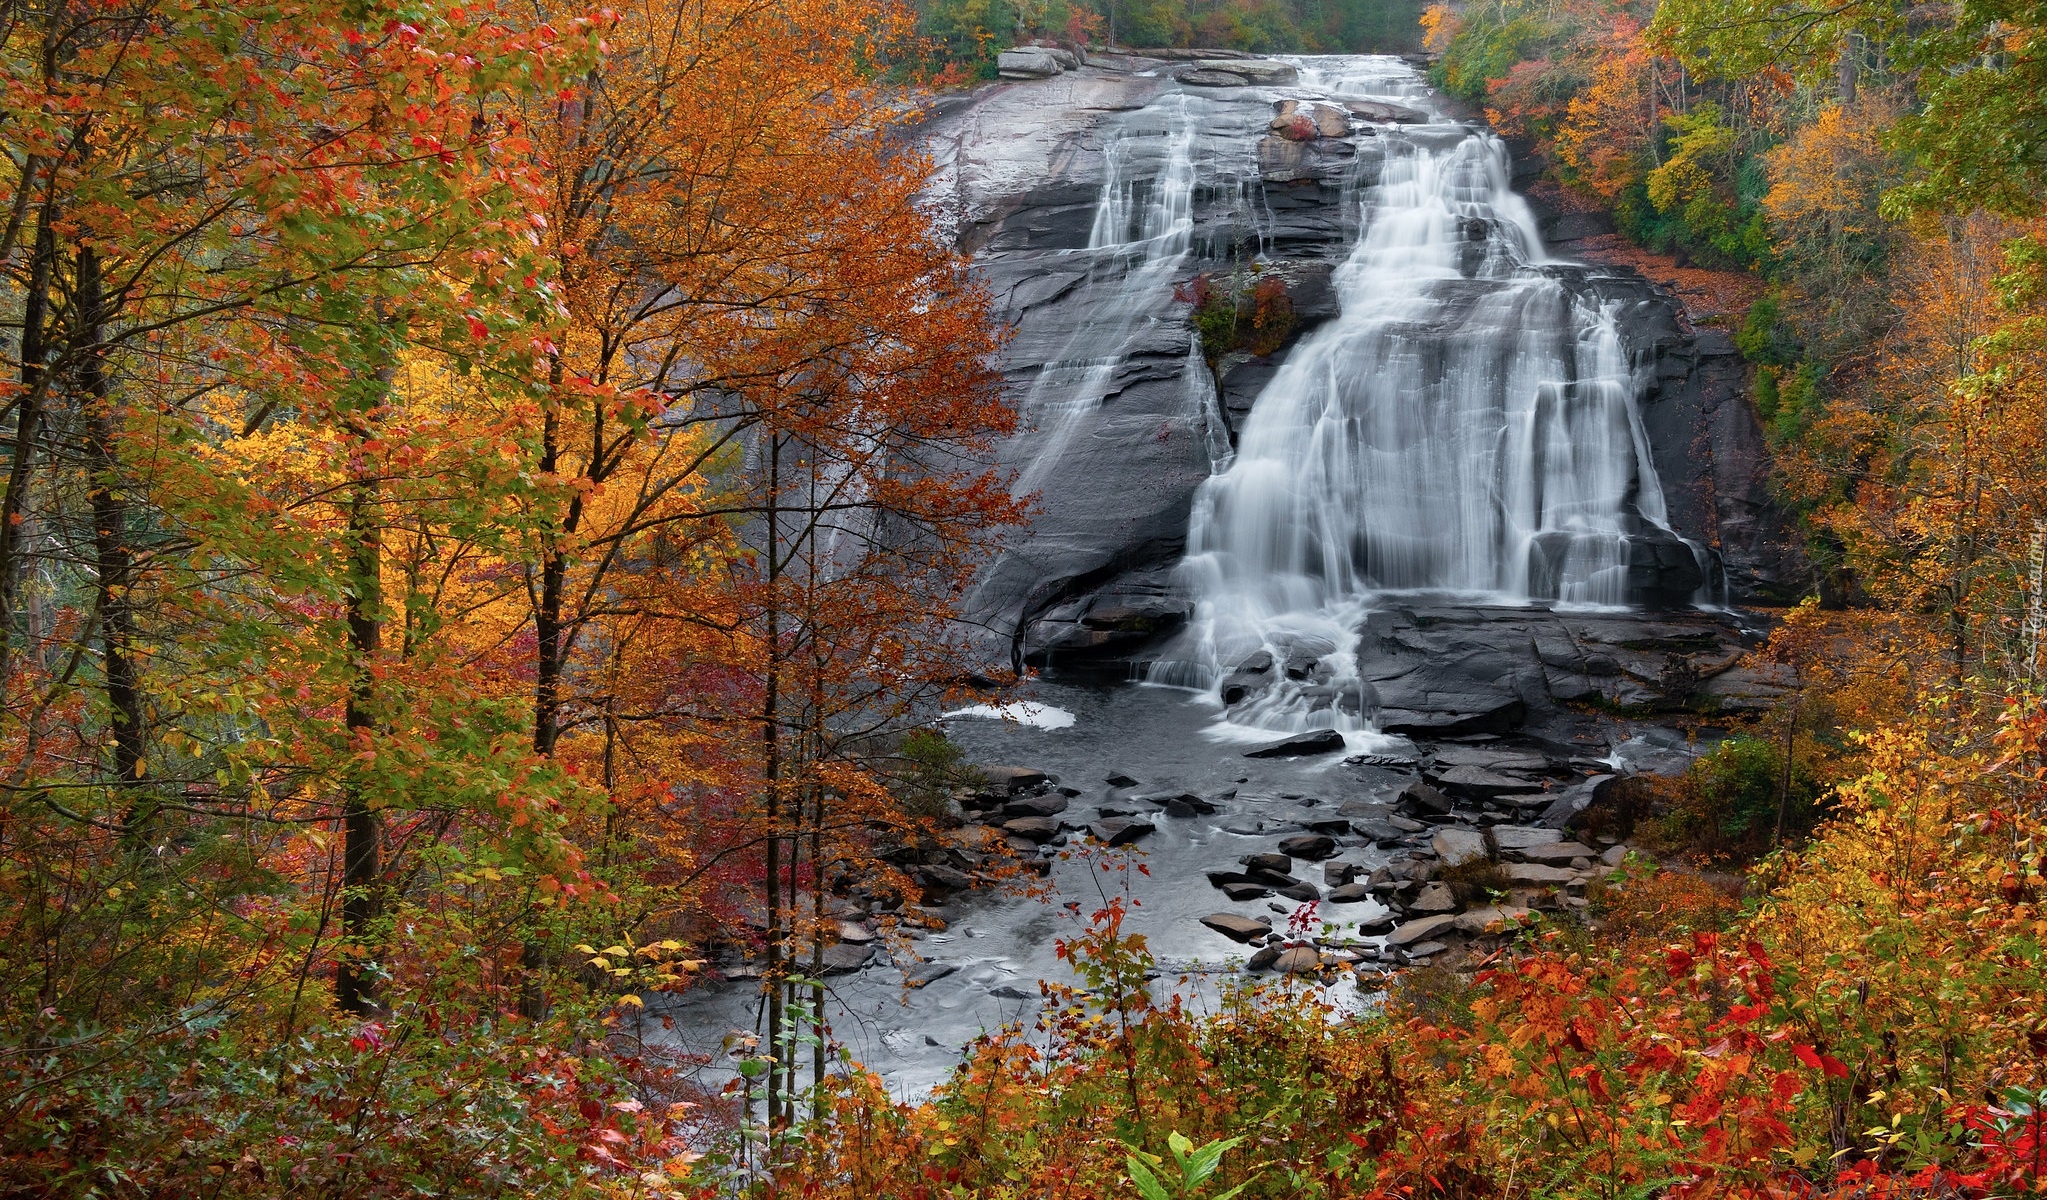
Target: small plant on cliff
point(1233, 315)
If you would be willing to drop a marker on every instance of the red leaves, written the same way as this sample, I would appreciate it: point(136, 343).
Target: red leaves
point(1818, 1061)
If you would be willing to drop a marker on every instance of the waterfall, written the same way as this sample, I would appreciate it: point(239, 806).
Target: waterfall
point(1465, 425)
point(1142, 235)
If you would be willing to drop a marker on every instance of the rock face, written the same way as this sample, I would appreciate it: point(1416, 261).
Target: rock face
point(1124, 420)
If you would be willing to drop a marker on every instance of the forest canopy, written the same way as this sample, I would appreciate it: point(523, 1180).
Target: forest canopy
point(972, 32)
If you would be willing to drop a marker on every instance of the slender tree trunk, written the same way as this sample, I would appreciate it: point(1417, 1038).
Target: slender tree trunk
point(28, 420)
point(362, 830)
point(111, 552)
point(1784, 780)
point(548, 626)
point(813, 574)
point(1845, 70)
point(771, 752)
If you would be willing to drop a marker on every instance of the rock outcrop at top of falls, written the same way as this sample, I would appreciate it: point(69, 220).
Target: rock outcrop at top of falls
point(1457, 408)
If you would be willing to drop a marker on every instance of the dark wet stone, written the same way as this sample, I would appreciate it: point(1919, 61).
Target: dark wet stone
point(1012, 779)
point(1036, 806)
point(1320, 741)
point(1311, 846)
point(1036, 829)
point(1234, 927)
point(1120, 831)
point(929, 971)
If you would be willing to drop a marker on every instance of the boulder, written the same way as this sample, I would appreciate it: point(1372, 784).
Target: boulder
point(1383, 832)
point(1262, 958)
point(1614, 856)
point(1420, 797)
point(843, 958)
point(1120, 831)
point(854, 934)
point(1333, 826)
point(1301, 890)
point(1478, 919)
point(1409, 932)
point(1350, 893)
point(1273, 879)
point(1011, 780)
point(1492, 758)
point(1319, 741)
point(1210, 77)
point(1257, 70)
point(933, 875)
point(1028, 62)
point(1234, 927)
point(1381, 113)
point(1336, 874)
point(1269, 862)
point(1302, 121)
point(1225, 878)
point(1480, 783)
point(1423, 951)
point(1312, 846)
point(1509, 838)
point(928, 971)
point(1036, 806)
point(1187, 804)
point(1119, 779)
point(1296, 127)
point(1555, 852)
point(1378, 922)
point(1535, 875)
point(1241, 892)
point(1567, 809)
point(1434, 898)
point(1037, 829)
point(1298, 960)
point(1456, 846)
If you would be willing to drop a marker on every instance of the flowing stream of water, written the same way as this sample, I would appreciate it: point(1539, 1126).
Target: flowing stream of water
point(1466, 424)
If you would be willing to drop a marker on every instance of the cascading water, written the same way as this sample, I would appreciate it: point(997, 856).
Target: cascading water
point(1143, 231)
point(1465, 425)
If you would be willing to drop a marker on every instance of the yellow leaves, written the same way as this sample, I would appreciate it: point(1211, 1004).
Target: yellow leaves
point(1439, 25)
point(1824, 181)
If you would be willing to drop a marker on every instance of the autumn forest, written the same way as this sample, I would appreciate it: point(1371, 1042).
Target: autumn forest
point(506, 506)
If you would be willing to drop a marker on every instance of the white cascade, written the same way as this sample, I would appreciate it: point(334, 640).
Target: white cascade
point(1466, 425)
point(1143, 232)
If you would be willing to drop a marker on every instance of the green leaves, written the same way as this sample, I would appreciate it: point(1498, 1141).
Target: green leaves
point(1192, 1168)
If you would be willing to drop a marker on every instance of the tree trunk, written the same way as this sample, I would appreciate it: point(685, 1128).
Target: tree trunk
point(771, 748)
point(549, 629)
point(111, 553)
point(362, 830)
point(28, 419)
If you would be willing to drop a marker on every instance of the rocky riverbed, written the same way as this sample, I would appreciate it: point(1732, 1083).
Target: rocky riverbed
point(1411, 845)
